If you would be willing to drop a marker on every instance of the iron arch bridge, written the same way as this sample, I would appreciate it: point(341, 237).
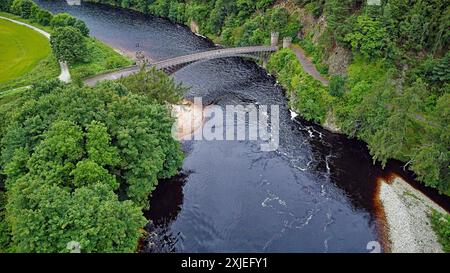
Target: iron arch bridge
point(174, 64)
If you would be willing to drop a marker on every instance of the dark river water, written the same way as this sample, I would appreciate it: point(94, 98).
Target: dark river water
point(314, 194)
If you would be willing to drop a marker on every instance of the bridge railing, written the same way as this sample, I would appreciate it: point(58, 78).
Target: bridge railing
point(212, 54)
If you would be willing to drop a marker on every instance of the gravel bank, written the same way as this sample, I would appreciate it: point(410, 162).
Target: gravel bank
point(406, 211)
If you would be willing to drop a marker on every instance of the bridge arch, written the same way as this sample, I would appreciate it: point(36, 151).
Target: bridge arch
point(175, 68)
point(174, 64)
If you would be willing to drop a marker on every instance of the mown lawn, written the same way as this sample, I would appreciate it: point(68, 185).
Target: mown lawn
point(23, 52)
point(26, 58)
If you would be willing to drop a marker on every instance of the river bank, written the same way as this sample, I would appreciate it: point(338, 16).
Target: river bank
point(407, 213)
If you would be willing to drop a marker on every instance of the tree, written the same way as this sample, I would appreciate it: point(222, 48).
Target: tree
point(42, 17)
point(22, 8)
point(339, 17)
point(245, 8)
point(441, 225)
point(156, 85)
point(67, 20)
point(176, 12)
point(80, 164)
point(337, 85)
point(278, 19)
point(160, 8)
point(5, 5)
point(49, 217)
point(68, 44)
point(403, 127)
point(368, 37)
point(430, 159)
point(264, 4)
point(217, 17)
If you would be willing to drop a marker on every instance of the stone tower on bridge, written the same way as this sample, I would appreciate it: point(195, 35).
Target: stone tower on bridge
point(274, 36)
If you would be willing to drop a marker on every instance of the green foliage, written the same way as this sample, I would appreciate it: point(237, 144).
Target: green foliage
point(337, 86)
point(317, 54)
point(92, 216)
point(278, 19)
point(5, 234)
point(430, 159)
point(433, 70)
point(339, 17)
point(156, 85)
point(197, 12)
point(160, 8)
point(362, 110)
point(5, 5)
point(69, 45)
point(217, 17)
point(80, 164)
point(27, 9)
point(307, 95)
point(245, 8)
point(369, 37)
point(177, 12)
point(67, 20)
point(264, 4)
point(42, 17)
point(441, 225)
point(98, 58)
point(22, 8)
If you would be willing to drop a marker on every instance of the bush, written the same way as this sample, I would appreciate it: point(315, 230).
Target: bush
point(441, 225)
point(369, 37)
point(80, 164)
point(307, 95)
point(23, 8)
point(68, 45)
point(5, 5)
point(113, 63)
point(40, 16)
point(337, 86)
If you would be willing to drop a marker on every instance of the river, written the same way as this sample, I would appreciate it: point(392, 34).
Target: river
point(315, 193)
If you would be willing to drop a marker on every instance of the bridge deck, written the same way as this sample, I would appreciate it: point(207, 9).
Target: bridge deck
point(213, 54)
point(205, 55)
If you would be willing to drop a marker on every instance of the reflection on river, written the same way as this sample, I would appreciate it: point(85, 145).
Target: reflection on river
point(314, 194)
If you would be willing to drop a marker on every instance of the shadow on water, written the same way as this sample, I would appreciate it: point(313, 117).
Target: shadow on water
point(166, 202)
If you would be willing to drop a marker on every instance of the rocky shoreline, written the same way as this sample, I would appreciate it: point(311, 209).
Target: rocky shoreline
point(408, 224)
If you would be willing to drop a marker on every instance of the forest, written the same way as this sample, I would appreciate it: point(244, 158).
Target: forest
point(79, 163)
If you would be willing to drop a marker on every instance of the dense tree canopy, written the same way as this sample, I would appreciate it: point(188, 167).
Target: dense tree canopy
point(22, 8)
point(396, 88)
point(67, 20)
point(5, 5)
point(80, 163)
point(235, 22)
point(68, 45)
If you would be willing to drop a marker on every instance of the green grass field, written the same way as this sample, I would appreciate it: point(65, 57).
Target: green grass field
point(21, 50)
point(26, 58)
